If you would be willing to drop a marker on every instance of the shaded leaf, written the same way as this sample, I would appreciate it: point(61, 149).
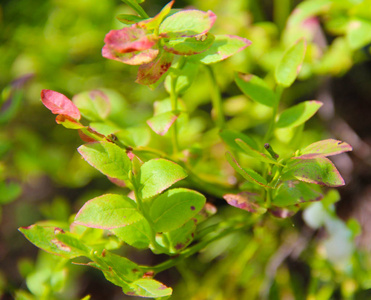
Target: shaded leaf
point(161, 123)
point(107, 158)
point(159, 174)
point(185, 77)
point(283, 213)
point(9, 191)
point(223, 47)
point(289, 67)
point(181, 237)
point(230, 137)
point(246, 201)
point(129, 19)
point(150, 73)
point(59, 104)
point(107, 212)
point(248, 174)
point(174, 208)
point(255, 153)
point(327, 147)
point(298, 114)
point(295, 192)
point(318, 170)
point(187, 23)
point(189, 45)
point(255, 88)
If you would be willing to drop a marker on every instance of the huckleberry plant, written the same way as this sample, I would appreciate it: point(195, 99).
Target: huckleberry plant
point(162, 202)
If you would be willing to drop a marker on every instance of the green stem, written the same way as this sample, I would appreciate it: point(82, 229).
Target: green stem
point(134, 5)
point(272, 123)
point(216, 99)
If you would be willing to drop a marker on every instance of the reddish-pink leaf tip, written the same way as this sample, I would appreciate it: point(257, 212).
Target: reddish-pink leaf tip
point(59, 104)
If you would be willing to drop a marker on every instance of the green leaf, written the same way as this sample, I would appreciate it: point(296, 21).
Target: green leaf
point(45, 238)
point(255, 153)
point(93, 105)
point(129, 19)
point(318, 170)
point(134, 5)
point(9, 192)
point(154, 23)
point(223, 47)
point(135, 136)
point(159, 174)
point(68, 122)
point(108, 211)
point(181, 237)
point(187, 23)
point(185, 77)
point(246, 201)
point(248, 174)
point(174, 208)
point(149, 288)
point(358, 33)
point(298, 114)
point(137, 234)
point(256, 89)
point(327, 147)
point(295, 192)
point(289, 67)
point(189, 45)
point(107, 158)
point(230, 136)
point(161, 123)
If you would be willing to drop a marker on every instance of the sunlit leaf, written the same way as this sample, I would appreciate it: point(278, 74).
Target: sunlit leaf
point(187, 23)
point(159, 174)
point(185, 77)
point(68, 122)
point(319, 170)
point(93, 105)
point(150, 73)
point(358, 33)
point(298, 114)
point(59, 104)
point(108, 211)
point(161, 123)
point(246, 201)
point(174, 208)
point(223, 47)
point(255, 88)
point(289, 67)
point(189, 45)
point(324, 148)
point(154, 23)
point(146, 287)
point(130, 45)
point(129, 19)
point(137, 234)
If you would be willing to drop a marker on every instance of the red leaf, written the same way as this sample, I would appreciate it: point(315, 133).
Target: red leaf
point(324, 148)
point(150, 73)
point(130, 45)
point(59, 104)
point(246, 201)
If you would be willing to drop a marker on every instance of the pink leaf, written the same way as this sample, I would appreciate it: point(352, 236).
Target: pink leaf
point(59, 104)
point(246, 201)
point(324, 148)
point(150, 73)
point(130, 45)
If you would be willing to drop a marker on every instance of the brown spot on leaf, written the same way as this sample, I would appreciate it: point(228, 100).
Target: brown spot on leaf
point(148, 274)
point(61, 245)
point(193, 208)
point(58, 230)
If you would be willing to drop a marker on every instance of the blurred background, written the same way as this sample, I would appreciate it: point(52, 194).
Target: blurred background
point(56, 44)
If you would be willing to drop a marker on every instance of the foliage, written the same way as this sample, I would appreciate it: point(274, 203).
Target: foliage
point(252, 150)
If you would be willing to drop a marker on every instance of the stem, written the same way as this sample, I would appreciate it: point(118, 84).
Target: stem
point(272, 123)
point(216, 99)
point(134, 5)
